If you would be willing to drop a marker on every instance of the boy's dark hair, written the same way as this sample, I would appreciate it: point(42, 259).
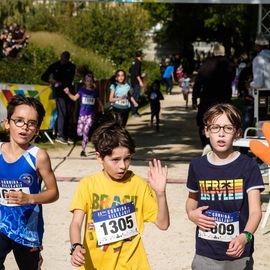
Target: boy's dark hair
point(233, 114)
point(30, 101)
point(111, 135)
point(65, 55)
point(156, 82)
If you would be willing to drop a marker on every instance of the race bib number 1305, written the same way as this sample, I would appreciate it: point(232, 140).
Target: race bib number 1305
point(115, 224)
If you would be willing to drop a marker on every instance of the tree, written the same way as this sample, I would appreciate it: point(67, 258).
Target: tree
point(14, 10)
point(240, 21)
point(232, 25)
point(115, 31)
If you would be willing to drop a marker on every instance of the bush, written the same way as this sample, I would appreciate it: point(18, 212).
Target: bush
point(28, 66)
point(152, 72)
point(40, 19)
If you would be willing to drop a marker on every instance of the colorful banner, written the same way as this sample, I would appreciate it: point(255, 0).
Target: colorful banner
point(42, 92)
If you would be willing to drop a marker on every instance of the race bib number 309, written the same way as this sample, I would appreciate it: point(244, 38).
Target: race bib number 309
point(115, 224)
point(227, 226)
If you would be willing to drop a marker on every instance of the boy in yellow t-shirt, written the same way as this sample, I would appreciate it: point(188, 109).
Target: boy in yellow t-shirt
point(115, 204)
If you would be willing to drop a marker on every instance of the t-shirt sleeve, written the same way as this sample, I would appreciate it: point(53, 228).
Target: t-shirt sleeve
point(112, 87)
point(80, 199)
point(150, 207)
point(192, 183)
point(80, 92)
point(255, 180)
point(136, 69)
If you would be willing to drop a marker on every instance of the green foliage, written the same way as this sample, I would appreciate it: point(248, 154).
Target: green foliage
point(160, 12)
point(232, 25)
point(114, 31)
point(101, 67)
point(28, 66)
point(152, 71)
point(44, 49)
point(238, 20)
point(14, 10)
point(41, 20)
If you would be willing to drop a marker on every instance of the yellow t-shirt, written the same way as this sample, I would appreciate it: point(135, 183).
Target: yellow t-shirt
point(98, 192)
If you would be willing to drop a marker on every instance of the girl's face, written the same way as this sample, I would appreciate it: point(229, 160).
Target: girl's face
point(88, 82)
point(221, 133)
point(23, 125)
point(120, 77)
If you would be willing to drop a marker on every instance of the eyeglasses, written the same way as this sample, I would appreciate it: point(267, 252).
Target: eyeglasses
point(229, 129)
point(30, 124)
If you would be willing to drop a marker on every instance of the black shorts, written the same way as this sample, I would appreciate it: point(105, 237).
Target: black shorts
point(27, 258)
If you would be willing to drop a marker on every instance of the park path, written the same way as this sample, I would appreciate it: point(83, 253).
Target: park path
point(175, 144)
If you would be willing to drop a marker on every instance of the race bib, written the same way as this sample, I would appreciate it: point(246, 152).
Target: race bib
point(227, 226)
point(115, 224)
point(122, 102)
point(87, 100)
point(4, 190)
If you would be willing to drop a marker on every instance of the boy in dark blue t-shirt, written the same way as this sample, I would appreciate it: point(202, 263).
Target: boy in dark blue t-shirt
point(224, 196)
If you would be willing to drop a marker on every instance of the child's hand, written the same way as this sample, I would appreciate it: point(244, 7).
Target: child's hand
point(204, 222)
point(135, 104)
point(17, 197)
point(77, 257)
point(157, 176)
point(66, 90)
point(237, 246)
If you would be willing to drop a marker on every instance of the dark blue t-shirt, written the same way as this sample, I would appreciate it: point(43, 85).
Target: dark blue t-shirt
point(224, 188)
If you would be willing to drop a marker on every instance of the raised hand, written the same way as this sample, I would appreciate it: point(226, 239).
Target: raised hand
point(157, 175)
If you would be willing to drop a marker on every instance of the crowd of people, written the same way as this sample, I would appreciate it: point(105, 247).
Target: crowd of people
point(12, 39)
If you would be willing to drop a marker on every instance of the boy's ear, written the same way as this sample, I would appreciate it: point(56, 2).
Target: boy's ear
point(6, 124)
point(206, 131)
point(99, 158)
point(238, 133)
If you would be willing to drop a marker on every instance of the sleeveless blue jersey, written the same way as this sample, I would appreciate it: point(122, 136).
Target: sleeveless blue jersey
point(21, 223)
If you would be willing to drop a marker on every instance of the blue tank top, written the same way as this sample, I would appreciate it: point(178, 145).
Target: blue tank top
point(21, 223)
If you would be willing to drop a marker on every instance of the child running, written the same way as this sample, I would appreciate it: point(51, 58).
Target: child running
point(185, 85)
point(115, 203)
point(224, 196)
point(120, 96)
point(22, 168)
point(88, 96)
point(154, 96)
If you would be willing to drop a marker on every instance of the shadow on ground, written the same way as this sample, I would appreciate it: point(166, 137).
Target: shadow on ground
point(177, 139)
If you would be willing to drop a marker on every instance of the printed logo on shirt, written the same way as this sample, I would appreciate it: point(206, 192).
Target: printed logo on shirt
point(103, 201)
point(221, 190)
point(27, 179)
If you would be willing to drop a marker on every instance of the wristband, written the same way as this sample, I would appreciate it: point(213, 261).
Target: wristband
point(73, 246)
point(249, 235)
